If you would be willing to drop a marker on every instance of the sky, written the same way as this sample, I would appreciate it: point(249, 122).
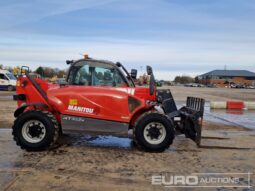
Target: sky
point(175, 37)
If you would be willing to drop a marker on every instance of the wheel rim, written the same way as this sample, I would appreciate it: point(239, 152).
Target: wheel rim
point(9, 88)
point(33, 131)
point(154, 133)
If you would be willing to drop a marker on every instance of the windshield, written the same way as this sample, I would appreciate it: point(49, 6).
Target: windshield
point(11, 76)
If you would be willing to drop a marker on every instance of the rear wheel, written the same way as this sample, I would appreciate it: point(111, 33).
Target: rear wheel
point(35, 130)
point(153, 132)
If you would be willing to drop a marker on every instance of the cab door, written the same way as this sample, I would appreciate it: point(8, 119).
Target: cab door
point(95, 90)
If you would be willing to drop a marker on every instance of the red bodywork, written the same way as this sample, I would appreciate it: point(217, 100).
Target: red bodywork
point(100, 102)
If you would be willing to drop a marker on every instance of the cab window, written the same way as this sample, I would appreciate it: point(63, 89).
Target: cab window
point(81, 76)
point(106, 77)
point(95, 74)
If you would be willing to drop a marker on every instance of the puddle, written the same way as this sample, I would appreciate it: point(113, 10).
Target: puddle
point(5, 98)
point(111, 141)
point(99, 141)
point(241, 118)
point(6, 164)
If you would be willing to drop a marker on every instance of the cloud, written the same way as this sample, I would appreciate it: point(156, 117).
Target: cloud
point(175, 37)
point(190, 58)
point(21, 12)
point(127, 18)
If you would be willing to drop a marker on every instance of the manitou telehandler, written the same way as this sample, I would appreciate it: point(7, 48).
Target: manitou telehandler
point(101, 97)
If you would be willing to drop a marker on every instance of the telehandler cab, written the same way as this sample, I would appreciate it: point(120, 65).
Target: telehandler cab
point(101, 97)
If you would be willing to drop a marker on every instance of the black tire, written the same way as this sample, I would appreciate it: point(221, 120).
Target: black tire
point(143, 121)
point(51, 129)
point(10, 88)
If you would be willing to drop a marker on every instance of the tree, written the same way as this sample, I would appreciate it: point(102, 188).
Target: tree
point(184, 79)
point(1, 66)
point(40, 71)
point(49, 72)
point(61, 73)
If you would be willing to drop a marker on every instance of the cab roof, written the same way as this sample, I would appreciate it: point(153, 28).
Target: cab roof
point(91, 60)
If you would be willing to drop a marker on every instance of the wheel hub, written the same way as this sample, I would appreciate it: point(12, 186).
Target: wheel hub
point(154, 133)
point(33, 131)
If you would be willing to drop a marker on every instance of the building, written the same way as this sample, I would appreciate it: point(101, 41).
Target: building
point(223, 78)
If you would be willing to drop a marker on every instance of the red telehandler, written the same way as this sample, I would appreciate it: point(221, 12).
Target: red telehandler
point(101, 97)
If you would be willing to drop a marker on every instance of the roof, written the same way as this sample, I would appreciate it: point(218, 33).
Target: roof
point(230, 73)
point(94, 60)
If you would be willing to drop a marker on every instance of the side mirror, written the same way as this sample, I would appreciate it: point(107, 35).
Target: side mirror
point(133, 73)
point(69, 62)
point(149, 70)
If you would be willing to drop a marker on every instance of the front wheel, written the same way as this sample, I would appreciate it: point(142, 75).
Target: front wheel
point(153, 132)
point(35, 130)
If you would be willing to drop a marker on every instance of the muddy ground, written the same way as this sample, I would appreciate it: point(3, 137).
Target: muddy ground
point(87, 162)
point(107, 163)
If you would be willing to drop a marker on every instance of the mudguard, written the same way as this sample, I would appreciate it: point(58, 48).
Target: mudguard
point(21, 109)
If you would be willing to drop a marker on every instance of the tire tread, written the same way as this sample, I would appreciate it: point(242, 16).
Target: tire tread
point(135, 138)
point(44, 113)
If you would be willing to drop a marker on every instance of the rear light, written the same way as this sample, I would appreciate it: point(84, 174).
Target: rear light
point(133, 103)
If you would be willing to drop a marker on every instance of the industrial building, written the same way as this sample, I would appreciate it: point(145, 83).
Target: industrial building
point(223, 78)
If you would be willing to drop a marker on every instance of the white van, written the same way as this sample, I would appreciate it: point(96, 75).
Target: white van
point(7, 80)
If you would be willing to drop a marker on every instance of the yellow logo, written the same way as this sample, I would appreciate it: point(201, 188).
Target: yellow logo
point(73, 102)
